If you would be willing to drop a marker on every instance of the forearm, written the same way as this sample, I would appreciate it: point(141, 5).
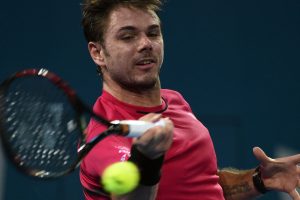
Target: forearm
point(237, 184)
point(140, 193)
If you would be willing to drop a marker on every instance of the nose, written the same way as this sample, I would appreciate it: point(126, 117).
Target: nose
point(145, 43)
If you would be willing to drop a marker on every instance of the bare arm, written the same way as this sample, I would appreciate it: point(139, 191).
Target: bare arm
point(281, 174)
point(237, 184)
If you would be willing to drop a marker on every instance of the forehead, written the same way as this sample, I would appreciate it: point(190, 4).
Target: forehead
point(129, 16)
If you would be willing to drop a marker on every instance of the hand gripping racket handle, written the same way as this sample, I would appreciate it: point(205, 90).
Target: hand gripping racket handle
point(136, 128)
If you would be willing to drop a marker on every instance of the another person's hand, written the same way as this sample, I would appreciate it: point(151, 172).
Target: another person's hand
point(282, 174)
point(157, 140)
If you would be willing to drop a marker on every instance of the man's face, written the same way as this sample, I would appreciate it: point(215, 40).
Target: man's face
point(133, 49)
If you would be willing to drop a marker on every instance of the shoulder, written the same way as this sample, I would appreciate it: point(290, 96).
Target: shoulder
point(172, 95)
point(175, 98)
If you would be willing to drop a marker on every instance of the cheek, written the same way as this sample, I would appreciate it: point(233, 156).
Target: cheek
point(159, 48)
point(121, 50)
point(120, 58)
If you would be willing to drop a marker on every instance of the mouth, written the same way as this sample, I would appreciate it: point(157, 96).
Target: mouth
point(146, 63)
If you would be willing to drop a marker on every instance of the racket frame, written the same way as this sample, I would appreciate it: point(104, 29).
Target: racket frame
point(81, 109)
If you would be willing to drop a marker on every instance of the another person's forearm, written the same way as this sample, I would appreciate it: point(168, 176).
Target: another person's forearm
point(141, 193)
point(237, 184)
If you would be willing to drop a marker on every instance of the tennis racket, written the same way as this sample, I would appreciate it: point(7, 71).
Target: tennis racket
point(42, 122)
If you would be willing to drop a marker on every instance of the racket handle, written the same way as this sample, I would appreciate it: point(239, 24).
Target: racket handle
point(136, 128)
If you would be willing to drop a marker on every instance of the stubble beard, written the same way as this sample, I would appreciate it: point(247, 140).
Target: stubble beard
point(138, 86)
point(133, 84)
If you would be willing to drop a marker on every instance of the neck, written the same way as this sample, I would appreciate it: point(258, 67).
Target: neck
point(146, 98)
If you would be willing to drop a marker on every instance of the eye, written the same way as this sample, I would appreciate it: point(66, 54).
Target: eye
point(154, 33)
point(127, 37)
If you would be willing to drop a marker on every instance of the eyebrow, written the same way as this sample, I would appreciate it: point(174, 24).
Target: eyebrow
point(132, 28)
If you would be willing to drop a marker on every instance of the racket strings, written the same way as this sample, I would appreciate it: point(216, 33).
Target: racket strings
point(40, 125)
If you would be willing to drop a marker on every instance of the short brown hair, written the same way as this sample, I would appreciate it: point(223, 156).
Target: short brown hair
point(95, 14)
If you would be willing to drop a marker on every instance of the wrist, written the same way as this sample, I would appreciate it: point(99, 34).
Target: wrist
point(258, 181)
point(150, 169)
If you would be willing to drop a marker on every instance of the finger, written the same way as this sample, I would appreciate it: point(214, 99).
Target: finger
point(294, 159)
point(166, 138)
point(152, 117)
point(146, 138)
point(260, 155)
point(163, 134)
point(151, 144)
point(150, 133)
point(294, 195)
point(298, 170)
point(156, 139)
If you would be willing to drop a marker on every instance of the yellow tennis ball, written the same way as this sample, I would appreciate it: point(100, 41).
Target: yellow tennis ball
point(120, 178)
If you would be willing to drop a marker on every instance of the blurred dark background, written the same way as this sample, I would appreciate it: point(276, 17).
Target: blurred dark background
point(236, 62)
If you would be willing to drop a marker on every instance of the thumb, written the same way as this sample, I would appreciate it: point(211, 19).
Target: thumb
point(260, 155)
point(295, 195)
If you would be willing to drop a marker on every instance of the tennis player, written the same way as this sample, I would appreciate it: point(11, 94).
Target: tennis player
point(178, 161)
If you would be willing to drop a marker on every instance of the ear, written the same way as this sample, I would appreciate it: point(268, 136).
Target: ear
point(96, 52)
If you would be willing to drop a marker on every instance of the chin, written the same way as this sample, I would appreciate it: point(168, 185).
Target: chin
point(142, 86)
